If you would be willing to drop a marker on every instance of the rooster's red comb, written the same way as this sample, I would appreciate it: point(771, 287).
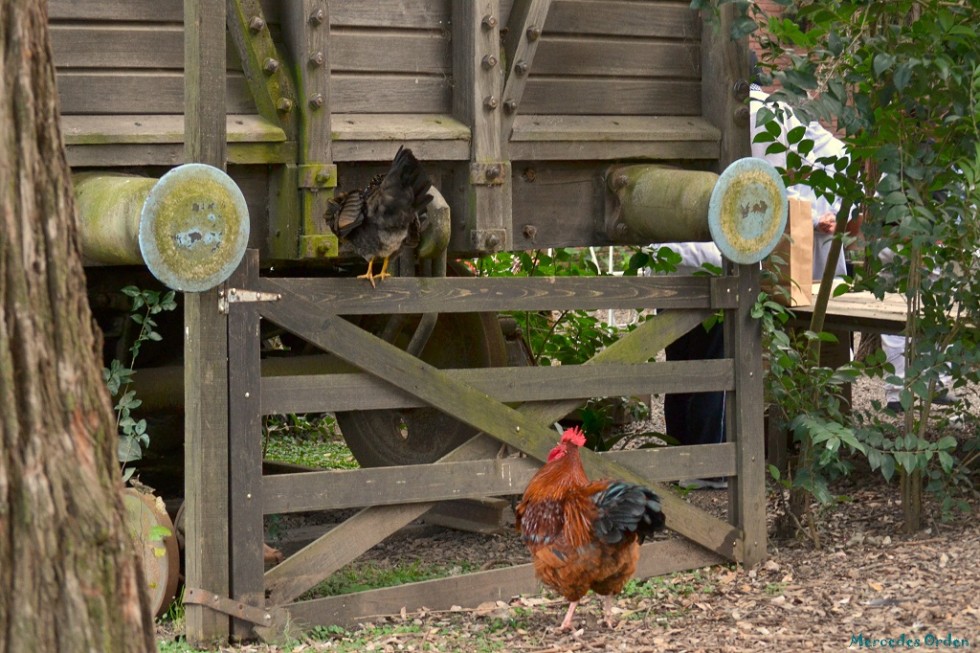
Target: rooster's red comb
point(574, 435)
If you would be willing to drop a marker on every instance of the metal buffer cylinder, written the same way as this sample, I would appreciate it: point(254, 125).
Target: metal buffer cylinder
point(190, 227)
point(743, 210)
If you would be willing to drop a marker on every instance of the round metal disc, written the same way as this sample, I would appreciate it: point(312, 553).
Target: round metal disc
point(194, 228)
point(747, 211)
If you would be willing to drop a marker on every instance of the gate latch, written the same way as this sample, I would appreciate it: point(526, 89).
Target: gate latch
point(241, 295)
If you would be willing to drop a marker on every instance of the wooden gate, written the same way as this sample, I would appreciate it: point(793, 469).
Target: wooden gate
point(392, 497)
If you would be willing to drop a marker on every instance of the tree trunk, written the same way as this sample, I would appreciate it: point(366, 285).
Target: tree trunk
point(69, 576)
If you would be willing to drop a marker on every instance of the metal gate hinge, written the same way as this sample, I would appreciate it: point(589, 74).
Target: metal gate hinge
point(254, 615)
point(240, 295)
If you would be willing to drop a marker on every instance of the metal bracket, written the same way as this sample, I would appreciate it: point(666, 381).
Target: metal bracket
point(254, 615)
point(240, 295)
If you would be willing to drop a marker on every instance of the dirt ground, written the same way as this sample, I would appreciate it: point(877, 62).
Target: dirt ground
point(867, 586)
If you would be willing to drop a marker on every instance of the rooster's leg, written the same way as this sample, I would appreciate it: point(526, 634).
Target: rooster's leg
point(607, 610)
point(566, 624)
point(367, 275)
point(384, 270)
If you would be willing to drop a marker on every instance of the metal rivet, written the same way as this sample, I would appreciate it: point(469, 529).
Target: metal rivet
point(317, 59)
point(284, 105)
point(510, 106)
point(270, 65)
point(316, 101)
point(492, 241)
point(489, 22)
point(490, 102)
point(492, 172)
point(533, 33)
point(517, 428)
point(521, 67)
point(489, 61)
point(317, 17)
point(257, 24)
point(247, 395)
point(529, 231)
point(248, 496)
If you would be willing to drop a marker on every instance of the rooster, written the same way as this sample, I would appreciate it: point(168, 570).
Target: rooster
point(584, 535)
point(377, 220)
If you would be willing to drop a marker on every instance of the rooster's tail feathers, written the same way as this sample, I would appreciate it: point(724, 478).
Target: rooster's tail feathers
point(626, 508)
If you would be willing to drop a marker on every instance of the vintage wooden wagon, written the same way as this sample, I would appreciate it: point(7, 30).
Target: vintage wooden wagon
point(544, 123)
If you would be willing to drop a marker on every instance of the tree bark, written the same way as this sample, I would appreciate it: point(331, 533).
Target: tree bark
point(69, 576)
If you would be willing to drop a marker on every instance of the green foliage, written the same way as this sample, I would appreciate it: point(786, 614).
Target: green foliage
point(133, 438)
point(308, 441)
point(901, 81)
point(568, 337)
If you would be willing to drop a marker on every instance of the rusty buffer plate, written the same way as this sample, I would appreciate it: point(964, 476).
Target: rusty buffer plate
point(194, 228)
point(747, 211)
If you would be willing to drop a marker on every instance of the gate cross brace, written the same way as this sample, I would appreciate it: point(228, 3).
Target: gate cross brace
point(523, 429)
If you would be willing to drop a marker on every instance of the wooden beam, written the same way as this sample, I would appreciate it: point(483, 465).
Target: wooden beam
point(478, 83)
point(283, 395)
point(206, 339)
point(384, 486)
point(744, 408)
point(724, 85)
point(524, 28)
point(656, 558)
point(307, 29)
point(346, 296)
point(246, 530)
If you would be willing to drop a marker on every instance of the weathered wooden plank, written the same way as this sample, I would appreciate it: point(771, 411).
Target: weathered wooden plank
point(390, 51)
point(172, 154)
point(151, 92)
point(345, 296)
point(524, 26)
point(132, 10)
point(610, 57)
point(107, 46)
point(611, 151)
point(743, 337)
point(343, 392)
point(613, 128)
point(390, 93)
point(398, 127)
point(425, 150)
point(656, 558)
point(99, 130)
point(332, 490)
point(523, 429)
point(417, 14)
point(724, 86)
point(612, 96)
point(207, 555)
point(246, 530)
point(619, 18)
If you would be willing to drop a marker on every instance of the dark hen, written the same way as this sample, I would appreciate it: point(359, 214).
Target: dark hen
point(378, 220)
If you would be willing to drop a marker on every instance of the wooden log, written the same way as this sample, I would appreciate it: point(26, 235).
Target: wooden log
point(659, 204)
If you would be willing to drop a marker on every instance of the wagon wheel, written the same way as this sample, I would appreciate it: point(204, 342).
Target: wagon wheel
point(411, 436)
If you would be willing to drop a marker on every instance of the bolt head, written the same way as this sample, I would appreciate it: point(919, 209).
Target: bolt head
point(492, 172)
point(533, 33)
point(490, 102)
point(270, 65)
point(256, 24)
point(489, 22)
point(317, 59)
point(521, 67)
point(317, 16)
point(284, 105)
